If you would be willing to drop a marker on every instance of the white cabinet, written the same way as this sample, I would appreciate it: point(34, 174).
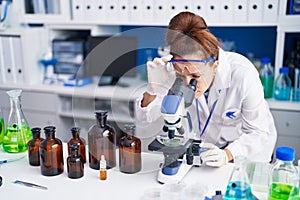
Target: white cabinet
point(288, 129)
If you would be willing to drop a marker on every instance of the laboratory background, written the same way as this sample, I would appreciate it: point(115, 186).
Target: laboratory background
point(62, 60)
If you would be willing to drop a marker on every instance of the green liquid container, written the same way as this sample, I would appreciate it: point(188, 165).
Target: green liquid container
point(17, 132)
point(283, 174)
point(1, 127)
point(266, 76)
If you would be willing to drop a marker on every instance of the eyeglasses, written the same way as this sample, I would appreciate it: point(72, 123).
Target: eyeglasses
point(186, 60)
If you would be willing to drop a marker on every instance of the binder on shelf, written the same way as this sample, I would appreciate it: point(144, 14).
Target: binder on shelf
point(88, 9)
point(255, 11)
point(7, 58)
point(98, 11)
point(240, 11)
point(17, 58)
point(270, 11)
point(199, 8)
point(123, 10)
point(148, 10)
point(161, 14)
point(77, 10)
point(2, 68)
point(112, 11)
point(213, 11)
point(226, 9)
point(136, 11)
point(177, 6)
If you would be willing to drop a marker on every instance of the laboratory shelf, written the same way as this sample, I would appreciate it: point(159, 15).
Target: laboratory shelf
point(283, 105)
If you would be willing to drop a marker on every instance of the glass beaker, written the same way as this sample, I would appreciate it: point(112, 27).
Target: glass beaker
point(1, 126)
point(238, 186)
point(17, 132)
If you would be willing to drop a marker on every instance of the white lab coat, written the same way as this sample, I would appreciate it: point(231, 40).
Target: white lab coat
point(250, 131)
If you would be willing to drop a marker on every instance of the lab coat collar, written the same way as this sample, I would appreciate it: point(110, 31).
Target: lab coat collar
point(222, 78)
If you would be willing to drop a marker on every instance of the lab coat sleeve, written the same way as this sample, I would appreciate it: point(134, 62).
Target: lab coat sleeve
point(257, 134)
point(150, 113)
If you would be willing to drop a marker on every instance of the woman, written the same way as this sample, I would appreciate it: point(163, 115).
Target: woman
point(229, 113)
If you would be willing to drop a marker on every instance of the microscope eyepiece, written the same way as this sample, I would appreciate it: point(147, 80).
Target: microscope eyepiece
point(193, 84)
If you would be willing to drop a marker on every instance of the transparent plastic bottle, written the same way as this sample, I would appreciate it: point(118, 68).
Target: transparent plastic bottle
point(296, 90)
point(75, 163)
point(130, 159)
point(282, 89)
point(51, 150)
point(76, 139)
point(102, 141)
point(17, 132)
point(103, 171)
point(283, 174)
point(239, 185)
point(33, 147)
point(266, 76)
point(1, 126)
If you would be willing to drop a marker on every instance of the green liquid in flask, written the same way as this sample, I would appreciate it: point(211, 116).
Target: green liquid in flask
point(238, 190)
point(16, 138)
point(279, 191)
point(1, 130)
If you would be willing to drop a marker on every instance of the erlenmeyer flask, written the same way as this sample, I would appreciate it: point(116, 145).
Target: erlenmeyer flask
point(238, 186)
point(17, 132)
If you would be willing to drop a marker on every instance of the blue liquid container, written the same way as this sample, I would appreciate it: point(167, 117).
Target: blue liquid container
point(296, 89)
point(282, 90)
point(238, 186)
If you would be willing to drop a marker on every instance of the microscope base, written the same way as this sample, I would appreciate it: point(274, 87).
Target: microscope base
point(167, 178)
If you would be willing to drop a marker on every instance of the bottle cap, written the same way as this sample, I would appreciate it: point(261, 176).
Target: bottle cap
point(49, 128)
point(284, 70)
point(265, 60)
point(75, 129)
point(218, 192)
point(101, 113)
point(285, 153)
point(36, 130)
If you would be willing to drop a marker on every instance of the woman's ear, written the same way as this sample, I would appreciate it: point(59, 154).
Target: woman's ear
point(215, 66)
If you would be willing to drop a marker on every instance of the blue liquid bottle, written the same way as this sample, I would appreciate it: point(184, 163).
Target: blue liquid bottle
point(296, 91)
point(238, 186)
point(282, 90)
point(266, 76)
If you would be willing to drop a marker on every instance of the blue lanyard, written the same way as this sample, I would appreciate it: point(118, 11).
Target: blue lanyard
point(208, 119)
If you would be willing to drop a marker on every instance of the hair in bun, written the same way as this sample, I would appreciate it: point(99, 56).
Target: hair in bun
point(188, 33)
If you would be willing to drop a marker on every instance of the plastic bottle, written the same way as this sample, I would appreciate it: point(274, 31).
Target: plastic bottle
point(17, 132)
point(1, 126)
point(130, 159)
point(33, 147)
point(283, 174)
point(239, 186)
point(51, 150)
point(282, 90)
point(102, 141)
point(266, 76)
point(103, 172)
point(296, 90)
point(75, 163)
point(76, 139)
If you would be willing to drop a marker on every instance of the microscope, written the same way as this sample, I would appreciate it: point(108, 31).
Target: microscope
point(178, 149)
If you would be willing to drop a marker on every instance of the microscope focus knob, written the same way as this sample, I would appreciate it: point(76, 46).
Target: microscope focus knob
point(180, 130)
point(165, 128)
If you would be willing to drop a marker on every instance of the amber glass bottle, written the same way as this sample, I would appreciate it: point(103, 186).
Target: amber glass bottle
point(102, 141)
point(33, 147)
point(130, 159)
point(75, 162)
point(51, 151)
point(76, 139)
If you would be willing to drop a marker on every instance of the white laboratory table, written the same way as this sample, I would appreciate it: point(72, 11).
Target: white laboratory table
point(117, 186)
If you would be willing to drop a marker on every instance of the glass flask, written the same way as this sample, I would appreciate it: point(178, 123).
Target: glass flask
point(130, 159)
point(17, 132)
point(51, 150)
point(1, 126)
point(75, 162)
point(266, 76)
point(102, 141)
point(283, 174)
point(33, 147)
point(239, 186)
point(76, 139)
